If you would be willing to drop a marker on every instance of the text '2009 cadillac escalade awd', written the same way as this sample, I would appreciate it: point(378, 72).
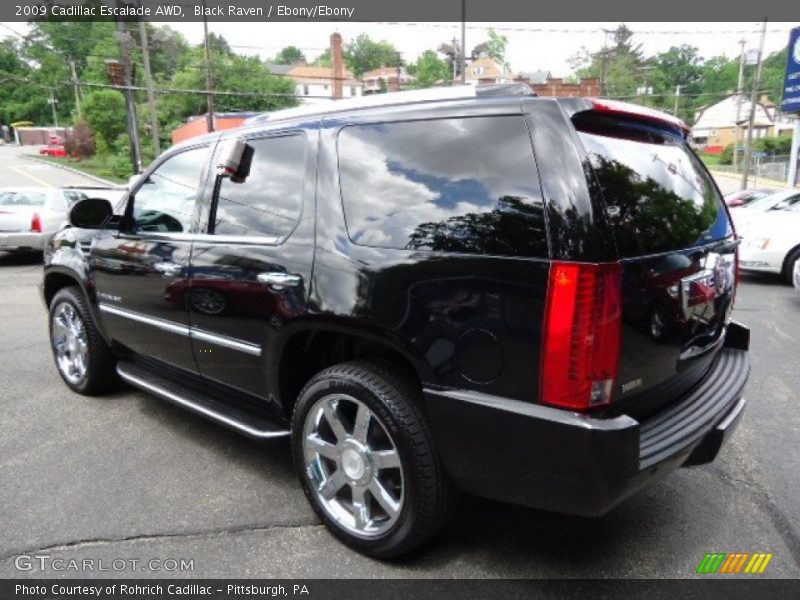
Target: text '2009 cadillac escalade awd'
point(523, 298)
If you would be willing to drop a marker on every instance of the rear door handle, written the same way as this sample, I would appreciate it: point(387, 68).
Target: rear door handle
point(168, 269)
point(278, 281)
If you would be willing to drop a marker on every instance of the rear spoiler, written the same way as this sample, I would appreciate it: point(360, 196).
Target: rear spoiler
point(573, 106)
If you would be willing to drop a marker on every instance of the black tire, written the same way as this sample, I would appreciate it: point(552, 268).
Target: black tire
point(395, 399)
point(788, 265)
point(100, 373)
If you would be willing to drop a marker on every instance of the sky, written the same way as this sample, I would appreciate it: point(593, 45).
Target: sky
point(528, 49)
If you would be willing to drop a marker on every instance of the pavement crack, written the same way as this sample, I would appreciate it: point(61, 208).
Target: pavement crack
point(145, 537)
point(780, 520)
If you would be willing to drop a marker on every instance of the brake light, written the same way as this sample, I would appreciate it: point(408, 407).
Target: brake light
point(36, 223)
point(635, 111)
point(582, 335)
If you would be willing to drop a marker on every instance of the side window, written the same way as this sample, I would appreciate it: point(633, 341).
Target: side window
point(165, 201)
point(451, 185)
point(270, 200)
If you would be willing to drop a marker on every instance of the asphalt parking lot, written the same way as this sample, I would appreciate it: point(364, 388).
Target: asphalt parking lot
point(130, 477)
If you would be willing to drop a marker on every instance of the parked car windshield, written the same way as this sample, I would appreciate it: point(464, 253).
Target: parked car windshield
point(22, 199)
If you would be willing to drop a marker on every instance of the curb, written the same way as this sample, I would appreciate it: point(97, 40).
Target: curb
point(74, 171)
point(774, 183)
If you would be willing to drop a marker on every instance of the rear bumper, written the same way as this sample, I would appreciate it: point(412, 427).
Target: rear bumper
point(13, 240)
point(556, 460)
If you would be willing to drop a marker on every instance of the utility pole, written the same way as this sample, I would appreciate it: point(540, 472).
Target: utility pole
point(737, 132)
point(791, 178)
point(753, 99)
point(151, 97)
point(209, 75)
point(127, 79)
point(463, 42)
point(76, 87)
point(677, 98)
point(455, 58)
point(52, 101)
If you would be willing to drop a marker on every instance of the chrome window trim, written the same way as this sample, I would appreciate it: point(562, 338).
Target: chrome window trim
point(191, 332)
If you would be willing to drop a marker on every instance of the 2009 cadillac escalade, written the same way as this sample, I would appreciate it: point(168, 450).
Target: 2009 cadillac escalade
point(524, 298)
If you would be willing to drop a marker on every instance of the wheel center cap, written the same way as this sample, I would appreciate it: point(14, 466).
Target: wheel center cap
point(353, 464)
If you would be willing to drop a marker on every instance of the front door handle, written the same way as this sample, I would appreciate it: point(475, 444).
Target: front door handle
point(168, 269)
point(279, 281)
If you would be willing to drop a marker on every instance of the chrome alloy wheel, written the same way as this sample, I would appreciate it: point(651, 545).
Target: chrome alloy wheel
point(353, 465)
point(70, 343)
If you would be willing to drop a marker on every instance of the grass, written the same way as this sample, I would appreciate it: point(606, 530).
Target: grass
point(99, 166)
point(710, 160)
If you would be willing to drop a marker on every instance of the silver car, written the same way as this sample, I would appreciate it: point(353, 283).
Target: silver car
point(796, 276)
point(29, 216)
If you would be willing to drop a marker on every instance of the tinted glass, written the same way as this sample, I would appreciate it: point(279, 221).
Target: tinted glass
point(453, 185)
point(165, 202)
point(22, 199)
point(658, 195)
point(270, 200)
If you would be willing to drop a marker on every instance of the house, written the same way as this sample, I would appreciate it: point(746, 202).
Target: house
point(198, 125)
point(715, 125)
point(537, 77)
point(316, 84)
point(389, 76)
point(485, 70)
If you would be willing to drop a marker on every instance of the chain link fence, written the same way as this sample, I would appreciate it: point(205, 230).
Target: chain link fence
point(775, 168)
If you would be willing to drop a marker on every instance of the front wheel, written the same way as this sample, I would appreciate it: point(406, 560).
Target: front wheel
point(366, 458)
point(82, 357)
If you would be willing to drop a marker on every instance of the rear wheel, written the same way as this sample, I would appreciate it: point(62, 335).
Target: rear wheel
point(82, 357)
point(366, 458)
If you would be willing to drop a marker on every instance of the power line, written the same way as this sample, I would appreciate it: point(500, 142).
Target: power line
point(456, 25)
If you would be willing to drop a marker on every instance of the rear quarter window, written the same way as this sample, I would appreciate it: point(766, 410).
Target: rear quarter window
point(466, 185)
point(657, 194)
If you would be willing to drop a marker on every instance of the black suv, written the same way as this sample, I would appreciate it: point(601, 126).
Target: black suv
point(522, 298)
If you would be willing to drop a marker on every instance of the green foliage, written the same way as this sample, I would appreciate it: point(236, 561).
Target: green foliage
point(496, 47)
point(776, 146)
point(104, 111)
point(364, 54)
point(289, 55)
point(726, 156)
point(430, 69)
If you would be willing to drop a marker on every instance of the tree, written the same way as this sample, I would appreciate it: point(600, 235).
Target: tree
point(618, 66)
point(289, 55)
point(364, 54)
point(104, 111)
point(430, 69)
point(496, 48)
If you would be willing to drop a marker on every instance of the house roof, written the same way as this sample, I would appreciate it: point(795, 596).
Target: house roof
point(485, 68)
point(385, 73)
point(301, 72)
point(722, 115)
point(279, 69)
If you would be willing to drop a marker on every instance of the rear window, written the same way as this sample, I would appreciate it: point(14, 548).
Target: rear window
point(658, 196)
point(450, 185)
point(22, 199)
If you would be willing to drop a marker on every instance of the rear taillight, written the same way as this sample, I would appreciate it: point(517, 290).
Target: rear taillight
point(582, 331)
point(36, 223)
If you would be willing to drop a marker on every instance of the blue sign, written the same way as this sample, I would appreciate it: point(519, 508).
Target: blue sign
point(791, 83)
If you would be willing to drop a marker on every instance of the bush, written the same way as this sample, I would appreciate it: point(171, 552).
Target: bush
point(726, 156)
point(776, 146)
point(80, 142)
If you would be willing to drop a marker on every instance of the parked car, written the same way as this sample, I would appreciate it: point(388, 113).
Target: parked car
point(56, 150)
point(775, 201)
point(29, 216)
point(455, 295)
point(796, 275)
point(771, 241)
point(743, 198)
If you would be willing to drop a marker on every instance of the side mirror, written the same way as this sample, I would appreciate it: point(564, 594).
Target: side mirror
point(90, 213)
point(234, 160)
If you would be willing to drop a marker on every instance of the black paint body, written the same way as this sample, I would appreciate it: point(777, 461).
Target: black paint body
point(468, 325)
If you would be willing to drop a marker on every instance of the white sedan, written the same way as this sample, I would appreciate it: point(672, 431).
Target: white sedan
point(771, 242)
point(29, 216)
point(776, 201)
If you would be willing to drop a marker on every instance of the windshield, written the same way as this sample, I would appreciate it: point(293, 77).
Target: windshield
point(785, 200)
point(22, 199)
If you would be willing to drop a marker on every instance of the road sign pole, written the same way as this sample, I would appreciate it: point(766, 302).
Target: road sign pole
point(795, 154)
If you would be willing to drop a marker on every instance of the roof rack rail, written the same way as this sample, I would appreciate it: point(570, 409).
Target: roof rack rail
point(396, 98)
